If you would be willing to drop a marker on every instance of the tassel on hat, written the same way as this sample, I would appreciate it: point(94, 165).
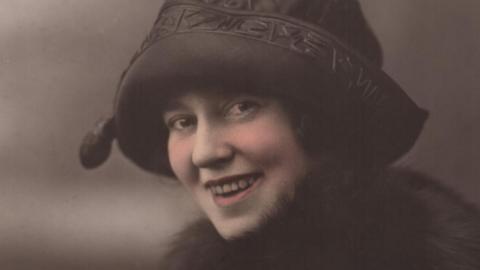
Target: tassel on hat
point(97, 144)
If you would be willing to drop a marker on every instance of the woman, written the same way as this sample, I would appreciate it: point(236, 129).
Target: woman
point(277, 118)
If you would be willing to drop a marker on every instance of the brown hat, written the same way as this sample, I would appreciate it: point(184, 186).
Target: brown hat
point(320, 53)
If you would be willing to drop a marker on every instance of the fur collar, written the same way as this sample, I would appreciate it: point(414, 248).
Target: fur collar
point(393, 219)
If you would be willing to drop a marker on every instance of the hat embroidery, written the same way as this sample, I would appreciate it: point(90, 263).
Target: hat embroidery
point(233, 4)
point(275, 30)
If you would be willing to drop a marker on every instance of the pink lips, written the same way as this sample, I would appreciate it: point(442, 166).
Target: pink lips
point(230, 190)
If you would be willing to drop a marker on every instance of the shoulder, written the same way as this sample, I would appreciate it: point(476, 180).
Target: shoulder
point(443, 203)
point(451, 225)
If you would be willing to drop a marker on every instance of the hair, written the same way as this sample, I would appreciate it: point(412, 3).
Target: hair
point(324, 137)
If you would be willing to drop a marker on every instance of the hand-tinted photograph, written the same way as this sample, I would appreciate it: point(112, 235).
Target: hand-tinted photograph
point(239, 134)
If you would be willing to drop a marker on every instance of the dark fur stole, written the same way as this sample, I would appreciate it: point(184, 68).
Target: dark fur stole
point(393, 220)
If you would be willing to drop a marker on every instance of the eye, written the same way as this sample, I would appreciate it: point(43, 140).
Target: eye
point(242, 108)
point(181, 123)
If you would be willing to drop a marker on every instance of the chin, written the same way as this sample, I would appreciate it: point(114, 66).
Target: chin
point(250, 215)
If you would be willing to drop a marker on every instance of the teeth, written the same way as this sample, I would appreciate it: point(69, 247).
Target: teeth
point(227, 188)
point(232, 187)
point(243, 184)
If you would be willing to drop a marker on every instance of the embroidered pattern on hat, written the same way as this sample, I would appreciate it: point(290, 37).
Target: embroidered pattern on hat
point(275, 30)
point(233, 4)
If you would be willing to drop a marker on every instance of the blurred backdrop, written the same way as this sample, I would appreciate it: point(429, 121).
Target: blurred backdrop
point(59, 64)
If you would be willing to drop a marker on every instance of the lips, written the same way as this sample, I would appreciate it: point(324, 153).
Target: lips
point(229, 190)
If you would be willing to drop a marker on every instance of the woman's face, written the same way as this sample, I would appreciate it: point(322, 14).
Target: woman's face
point(237, 154)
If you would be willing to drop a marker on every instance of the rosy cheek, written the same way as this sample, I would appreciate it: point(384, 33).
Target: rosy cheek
point(179, 155)
point(264, 141)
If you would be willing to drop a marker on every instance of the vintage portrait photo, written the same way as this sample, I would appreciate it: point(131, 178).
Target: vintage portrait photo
point(240, 134)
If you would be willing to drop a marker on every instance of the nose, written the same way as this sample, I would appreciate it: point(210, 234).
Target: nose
point(211, 148)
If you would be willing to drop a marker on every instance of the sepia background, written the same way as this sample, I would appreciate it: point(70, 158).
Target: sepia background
point(59, 64)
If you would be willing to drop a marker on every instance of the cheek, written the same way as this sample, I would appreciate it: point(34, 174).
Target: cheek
point(179, 155)
point(267, 142)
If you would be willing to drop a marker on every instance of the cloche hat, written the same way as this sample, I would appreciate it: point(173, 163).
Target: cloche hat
point(320, 53)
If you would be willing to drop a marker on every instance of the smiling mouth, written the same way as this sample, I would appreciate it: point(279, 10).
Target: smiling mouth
point(233, 189)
